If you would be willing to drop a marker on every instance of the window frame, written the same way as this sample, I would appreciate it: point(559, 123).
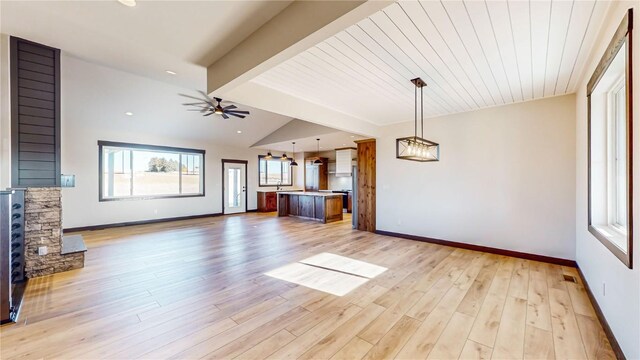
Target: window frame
point(266, 171)
point(622, 37)
point(146, 147)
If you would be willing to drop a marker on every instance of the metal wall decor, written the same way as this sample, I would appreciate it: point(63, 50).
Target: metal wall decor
point(417, 148)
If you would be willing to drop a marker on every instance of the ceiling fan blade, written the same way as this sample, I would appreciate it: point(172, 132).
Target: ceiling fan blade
point(198, 103)
point(225, 116)
point(236, 115)
point(229, 107)
point(208, 114)
point(206, 96)
point(191, 97)
point(237, 112)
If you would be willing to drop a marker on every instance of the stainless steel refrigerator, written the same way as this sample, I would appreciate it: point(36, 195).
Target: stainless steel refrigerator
point(354, 197)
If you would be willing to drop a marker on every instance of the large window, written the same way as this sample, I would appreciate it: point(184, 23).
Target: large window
point(610, 144)
point(133, 171)
point(273, 172)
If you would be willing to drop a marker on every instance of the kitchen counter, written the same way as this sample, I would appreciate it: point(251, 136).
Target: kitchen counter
point(309, 193)
point(319, 206)
point(278, 191)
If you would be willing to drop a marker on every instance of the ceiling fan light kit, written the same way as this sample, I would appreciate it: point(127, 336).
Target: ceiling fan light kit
point(417, 148)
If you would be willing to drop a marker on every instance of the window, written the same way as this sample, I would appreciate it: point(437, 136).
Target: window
point(609, 110)
point(272, 172)
point(133, 171)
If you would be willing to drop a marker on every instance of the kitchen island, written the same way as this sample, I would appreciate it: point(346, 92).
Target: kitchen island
point(319, 206)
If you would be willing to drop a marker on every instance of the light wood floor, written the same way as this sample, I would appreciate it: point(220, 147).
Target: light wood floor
point(198, 288)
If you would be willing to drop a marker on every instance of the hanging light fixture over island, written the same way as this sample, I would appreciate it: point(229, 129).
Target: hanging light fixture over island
point(413, 147)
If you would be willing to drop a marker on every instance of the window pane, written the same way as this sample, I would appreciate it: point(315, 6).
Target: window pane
point(620, 157)
point(274, 172)
point(191, 179)
point(285, 172)
point(155, 173)
point(116, 173)
point(234, 188)
point(263, 171)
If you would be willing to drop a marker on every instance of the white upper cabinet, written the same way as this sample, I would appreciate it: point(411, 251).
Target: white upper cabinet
point(343, 162)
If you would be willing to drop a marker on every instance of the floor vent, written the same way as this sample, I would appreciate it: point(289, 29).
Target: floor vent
point(570, 278)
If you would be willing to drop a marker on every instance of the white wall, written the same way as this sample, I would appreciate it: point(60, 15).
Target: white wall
point(621, 304)
point(94, 100)
point(506, 179)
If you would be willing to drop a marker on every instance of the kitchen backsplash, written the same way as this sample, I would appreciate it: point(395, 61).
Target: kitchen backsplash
point(340, 182)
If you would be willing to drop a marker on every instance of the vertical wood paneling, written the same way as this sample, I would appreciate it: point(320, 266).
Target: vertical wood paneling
point(366, 185)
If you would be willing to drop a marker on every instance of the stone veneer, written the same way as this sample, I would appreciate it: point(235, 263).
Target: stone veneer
point(43, 227)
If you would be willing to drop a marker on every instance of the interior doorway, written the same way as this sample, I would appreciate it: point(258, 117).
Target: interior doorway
point(234, 186)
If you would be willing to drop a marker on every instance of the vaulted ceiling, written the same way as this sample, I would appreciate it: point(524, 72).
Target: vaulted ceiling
point(147, 39)
point(342, 65)
point(472, 54)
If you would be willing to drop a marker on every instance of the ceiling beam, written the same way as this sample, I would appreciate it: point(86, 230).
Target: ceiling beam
point(265, 98)
point(298, 27)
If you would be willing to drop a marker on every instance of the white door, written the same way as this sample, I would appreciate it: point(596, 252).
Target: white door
point(235, 192)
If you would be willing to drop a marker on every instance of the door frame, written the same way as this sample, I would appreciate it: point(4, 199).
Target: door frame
point(246, 186)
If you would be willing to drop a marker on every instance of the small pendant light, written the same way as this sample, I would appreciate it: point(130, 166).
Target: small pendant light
point(284, 157)
point(318, 162)
point(269, 156)
point(294, 163)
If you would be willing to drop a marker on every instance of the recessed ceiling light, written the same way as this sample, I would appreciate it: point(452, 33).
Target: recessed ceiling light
point(344, 144)
point(129, 113)
point(170, 72)
point(352, 136)
point(129, 3)
point(239, 131)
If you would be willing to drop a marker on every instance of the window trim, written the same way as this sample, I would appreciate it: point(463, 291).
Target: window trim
point(290, 183)
point(620, 38)
point(132, 146)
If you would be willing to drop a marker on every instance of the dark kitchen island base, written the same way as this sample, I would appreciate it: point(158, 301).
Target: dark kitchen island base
point(323, 207)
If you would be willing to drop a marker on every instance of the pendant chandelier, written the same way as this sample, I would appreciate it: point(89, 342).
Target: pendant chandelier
point(318, 162)
point(416, 148)
point(293, 162)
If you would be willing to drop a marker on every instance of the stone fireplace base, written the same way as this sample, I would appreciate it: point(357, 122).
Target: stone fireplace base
point(43, 227)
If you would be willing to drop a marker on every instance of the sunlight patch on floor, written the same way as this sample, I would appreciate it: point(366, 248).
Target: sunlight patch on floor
point(330, 273)
point(345, 264)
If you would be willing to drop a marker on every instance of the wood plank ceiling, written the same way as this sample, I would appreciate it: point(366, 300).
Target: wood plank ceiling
point(472, 54)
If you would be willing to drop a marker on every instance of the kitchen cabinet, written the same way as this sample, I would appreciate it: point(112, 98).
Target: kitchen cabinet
point(267, 201)
point(344, 162)
point(320, 206)
point(316, 177)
